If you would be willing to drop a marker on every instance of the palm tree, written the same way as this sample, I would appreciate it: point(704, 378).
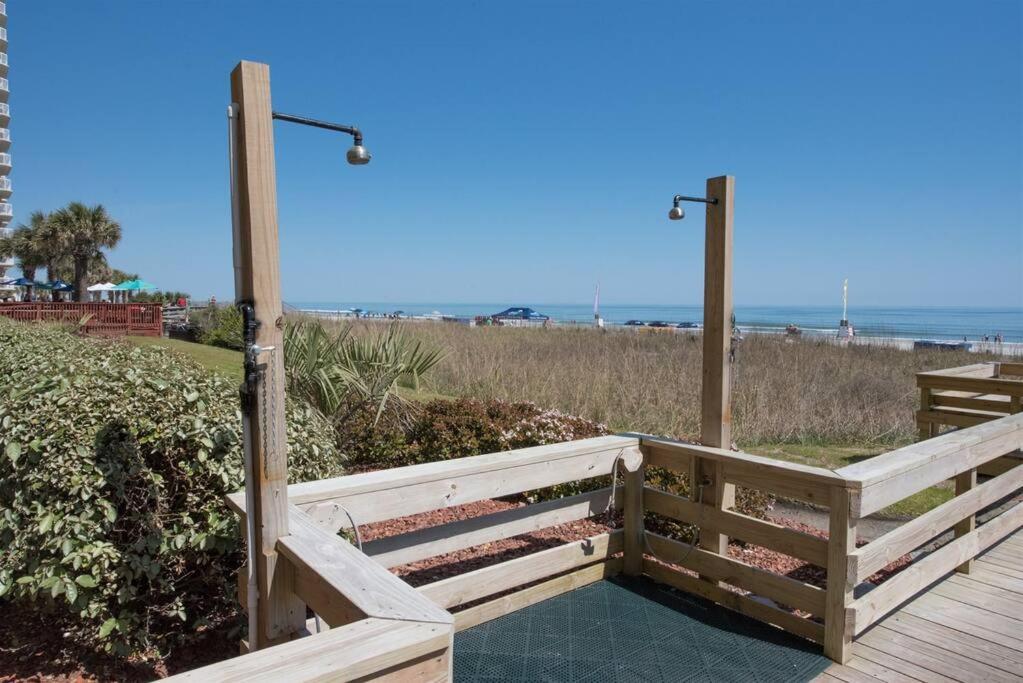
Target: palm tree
point(22, 245)
point(82, 232)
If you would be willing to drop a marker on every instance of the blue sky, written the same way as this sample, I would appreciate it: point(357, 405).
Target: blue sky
point(524, 150)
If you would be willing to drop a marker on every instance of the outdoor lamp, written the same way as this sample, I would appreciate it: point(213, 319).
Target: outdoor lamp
point(357, 154)
point(677, 213)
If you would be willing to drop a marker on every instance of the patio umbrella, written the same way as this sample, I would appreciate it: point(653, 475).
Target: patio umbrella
point(61, 286)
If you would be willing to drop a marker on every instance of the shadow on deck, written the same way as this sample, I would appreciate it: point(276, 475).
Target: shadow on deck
point(631, 629)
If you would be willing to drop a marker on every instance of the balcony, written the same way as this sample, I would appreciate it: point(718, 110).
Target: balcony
point(5, 163)
point(6, 212)
point(3, 9)
point(5, 187)
point(4, 88)
point(3, 39)
point(5, 114)
point(5, 139)
point(3, 63)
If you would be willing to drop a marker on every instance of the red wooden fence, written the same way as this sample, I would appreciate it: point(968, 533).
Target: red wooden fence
point(109, 319)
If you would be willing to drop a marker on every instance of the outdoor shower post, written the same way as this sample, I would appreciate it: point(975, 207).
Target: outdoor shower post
point(716, 407)
point(280, 614)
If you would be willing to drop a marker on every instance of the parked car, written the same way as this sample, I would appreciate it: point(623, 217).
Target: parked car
point(688, 326)
point(635, 323)
point(659, 323)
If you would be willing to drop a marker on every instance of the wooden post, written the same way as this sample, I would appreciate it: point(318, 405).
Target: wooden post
point(841, 542)
point(716, 424)
point(964, 482)
point(632, 553)
point(280, 613)
point(925, 427)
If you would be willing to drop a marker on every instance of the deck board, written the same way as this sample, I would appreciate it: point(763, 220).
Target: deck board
point(964, 628)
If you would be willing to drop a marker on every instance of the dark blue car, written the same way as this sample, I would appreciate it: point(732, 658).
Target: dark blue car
point(520, 313)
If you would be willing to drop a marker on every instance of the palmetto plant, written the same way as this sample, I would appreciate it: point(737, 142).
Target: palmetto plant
point(337, 373)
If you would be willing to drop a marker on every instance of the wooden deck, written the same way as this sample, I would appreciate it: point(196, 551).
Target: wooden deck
point(964, 628)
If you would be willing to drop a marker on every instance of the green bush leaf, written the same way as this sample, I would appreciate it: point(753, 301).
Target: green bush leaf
point(85, 581)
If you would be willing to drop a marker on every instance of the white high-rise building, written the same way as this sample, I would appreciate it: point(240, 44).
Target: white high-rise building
point(6, 210)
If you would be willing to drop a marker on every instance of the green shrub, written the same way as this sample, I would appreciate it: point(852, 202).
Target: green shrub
point(220, 326)
point(114, 464)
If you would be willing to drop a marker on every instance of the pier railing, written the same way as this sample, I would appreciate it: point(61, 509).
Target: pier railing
point(143, 319)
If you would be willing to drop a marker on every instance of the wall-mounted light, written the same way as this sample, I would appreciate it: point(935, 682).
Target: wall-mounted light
point(677, 213)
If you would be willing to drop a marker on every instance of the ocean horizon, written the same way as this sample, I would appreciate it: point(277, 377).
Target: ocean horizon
point(912, 322)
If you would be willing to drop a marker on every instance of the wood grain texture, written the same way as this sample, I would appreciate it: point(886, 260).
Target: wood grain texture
point(779, 588)
point(458, 590)
point(733, 524)
point(395, 551)
point(841, 542)
point(885, 549)
point(348, 653)
point(280, 612)
point(507, 604)
point(340, 583)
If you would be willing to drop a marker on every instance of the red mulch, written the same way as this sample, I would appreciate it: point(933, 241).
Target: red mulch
point(30, 650)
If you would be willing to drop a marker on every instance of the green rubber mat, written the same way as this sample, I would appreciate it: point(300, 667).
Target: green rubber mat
point(631, 629)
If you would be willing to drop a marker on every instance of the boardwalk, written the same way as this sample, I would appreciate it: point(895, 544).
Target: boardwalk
point(964, 628)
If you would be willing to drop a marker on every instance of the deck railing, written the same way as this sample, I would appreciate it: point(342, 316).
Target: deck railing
point(143, 319)
point(378, 623)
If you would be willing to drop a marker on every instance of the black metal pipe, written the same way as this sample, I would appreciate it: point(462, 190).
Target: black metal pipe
point(683, 198)
point(305, 121)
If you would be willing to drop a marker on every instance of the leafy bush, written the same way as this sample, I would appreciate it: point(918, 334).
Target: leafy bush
point(114, 464)
point(220, 326)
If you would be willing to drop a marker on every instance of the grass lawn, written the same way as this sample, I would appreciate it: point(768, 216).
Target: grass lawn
point(834, 457)
point(224, 361)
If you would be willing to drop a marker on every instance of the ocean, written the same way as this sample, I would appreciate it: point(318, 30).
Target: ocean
point(905, 322)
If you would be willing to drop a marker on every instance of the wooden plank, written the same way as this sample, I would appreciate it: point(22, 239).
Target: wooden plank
point(892, 476)
point(787, 621)
point(981, 574)
point(775, 586)
point(733, 524)
point(991, 403)
point(900, 665)
point(972, 370)
point(376, 496)
point(1005, 368)
point(346, 653)
point(841, 542)
point(998, 466)
point(279, 612)
point(339, 582)
point(634, 514)
point(372, 482)
point(966, 643)
point(991, 599)
point(507, 604)
point(877, 671)
point(1006, 387)
point(907, 583)
point(963, 617)
point(395, 551)
point(956, 417)
point(458, 590)
point(846, 674)
point(885, 549)
point(1007, 567)
point(932, 656)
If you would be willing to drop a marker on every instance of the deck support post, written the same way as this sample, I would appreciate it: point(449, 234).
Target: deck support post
point(280, 613)
point(838, 630)
point(963, 483)
point(634, 542)
point(707, 481)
